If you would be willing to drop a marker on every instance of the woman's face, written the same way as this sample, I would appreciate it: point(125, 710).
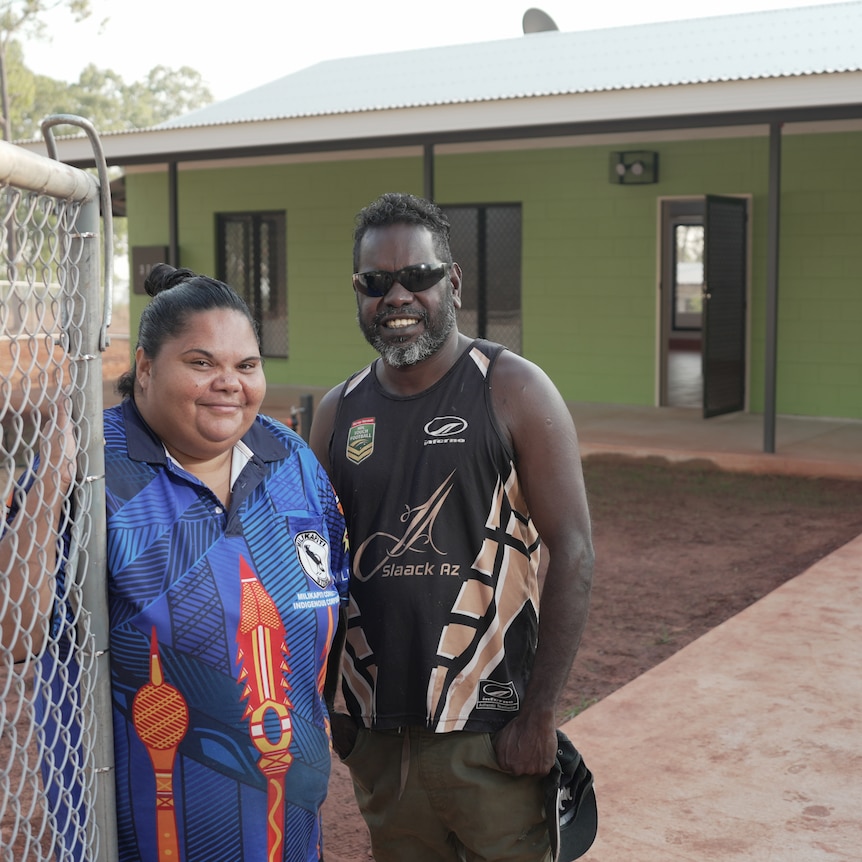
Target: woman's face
point(203, 390)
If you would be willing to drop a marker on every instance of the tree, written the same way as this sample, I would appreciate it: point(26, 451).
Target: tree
point(112, 105)
point(167, 93)
point(21, 85)
point(23, 18)
point(102, 96)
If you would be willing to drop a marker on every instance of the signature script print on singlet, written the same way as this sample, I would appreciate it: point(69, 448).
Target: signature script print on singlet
point(381, 548)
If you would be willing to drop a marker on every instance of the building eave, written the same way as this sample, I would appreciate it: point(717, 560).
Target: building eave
point(728, 103)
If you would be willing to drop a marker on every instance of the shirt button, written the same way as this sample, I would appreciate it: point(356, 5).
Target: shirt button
point(219, 510)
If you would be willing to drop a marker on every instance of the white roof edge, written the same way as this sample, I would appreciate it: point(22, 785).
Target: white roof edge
point(371, 109)
point(771, 44)
point(679, 101)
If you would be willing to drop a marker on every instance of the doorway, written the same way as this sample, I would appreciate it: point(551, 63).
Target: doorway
point(703, 304)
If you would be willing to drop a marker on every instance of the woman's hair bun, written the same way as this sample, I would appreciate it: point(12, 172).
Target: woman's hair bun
point(163, 276)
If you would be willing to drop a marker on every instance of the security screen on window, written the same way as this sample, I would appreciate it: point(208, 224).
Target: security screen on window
point(253, 260)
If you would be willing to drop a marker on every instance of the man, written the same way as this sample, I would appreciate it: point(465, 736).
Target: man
point(455, 462)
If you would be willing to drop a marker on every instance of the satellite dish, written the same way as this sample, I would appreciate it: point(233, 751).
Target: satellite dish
point(537, 21)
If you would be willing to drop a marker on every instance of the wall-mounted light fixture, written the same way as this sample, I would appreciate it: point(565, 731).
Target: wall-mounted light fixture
point(635, 167)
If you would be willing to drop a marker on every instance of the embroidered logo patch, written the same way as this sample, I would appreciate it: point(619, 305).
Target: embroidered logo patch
point(313, 552)
point(497, 695)
point(360, 440)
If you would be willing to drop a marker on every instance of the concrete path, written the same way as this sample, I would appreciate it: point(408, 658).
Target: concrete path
point(746, 744)
point(803, 445)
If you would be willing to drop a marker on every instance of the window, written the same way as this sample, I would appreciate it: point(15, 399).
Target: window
point(688, 277)
point(486, 242)
point(252, 258)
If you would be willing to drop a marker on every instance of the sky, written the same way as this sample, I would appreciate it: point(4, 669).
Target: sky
point(238, 46)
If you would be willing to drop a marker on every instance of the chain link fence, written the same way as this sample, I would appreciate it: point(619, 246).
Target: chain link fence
point(56, 788)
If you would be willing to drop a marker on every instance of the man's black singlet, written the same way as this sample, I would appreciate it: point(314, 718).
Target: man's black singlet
point(444, 596)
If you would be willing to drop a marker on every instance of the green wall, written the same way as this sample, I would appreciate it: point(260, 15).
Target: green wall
point(820, 325)
point(589, 256)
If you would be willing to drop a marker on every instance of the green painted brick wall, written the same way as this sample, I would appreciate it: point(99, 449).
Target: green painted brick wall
point(589, 257)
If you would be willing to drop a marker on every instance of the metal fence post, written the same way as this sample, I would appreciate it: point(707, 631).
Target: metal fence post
point(87, 360)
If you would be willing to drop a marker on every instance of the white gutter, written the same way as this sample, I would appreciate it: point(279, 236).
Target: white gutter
point(681, 101)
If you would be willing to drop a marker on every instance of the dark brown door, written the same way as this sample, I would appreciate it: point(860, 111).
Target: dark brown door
point(724, 305)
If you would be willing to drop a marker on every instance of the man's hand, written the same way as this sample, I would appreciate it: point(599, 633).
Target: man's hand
point(527, 745)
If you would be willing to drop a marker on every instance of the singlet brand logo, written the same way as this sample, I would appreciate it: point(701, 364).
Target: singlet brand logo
point(313, 552)
point(445, 429)
point(360, 440)
point(497, 695)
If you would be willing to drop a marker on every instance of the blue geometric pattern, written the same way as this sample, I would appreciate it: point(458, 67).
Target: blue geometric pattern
point(174, 559)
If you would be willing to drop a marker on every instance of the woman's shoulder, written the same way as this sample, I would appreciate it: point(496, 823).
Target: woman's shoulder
point(114, 425)
point(276, 428)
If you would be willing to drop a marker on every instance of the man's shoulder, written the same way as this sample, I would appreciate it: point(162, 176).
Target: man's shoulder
point(522, 391)
point(323, 422)
point(512, 367)
point(347, 386)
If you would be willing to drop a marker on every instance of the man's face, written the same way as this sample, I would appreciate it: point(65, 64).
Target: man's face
point(403, 327)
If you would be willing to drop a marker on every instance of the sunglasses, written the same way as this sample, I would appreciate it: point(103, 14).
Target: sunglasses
point(414, 278)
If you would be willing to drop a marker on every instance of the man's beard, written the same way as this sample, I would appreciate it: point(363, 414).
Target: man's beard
point(433, 337)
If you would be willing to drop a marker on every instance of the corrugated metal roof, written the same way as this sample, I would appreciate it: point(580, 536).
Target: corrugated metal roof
point(780, 43)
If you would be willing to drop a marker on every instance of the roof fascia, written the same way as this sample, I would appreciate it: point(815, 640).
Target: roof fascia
point(813, 98)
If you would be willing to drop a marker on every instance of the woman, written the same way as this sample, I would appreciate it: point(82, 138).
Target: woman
point(227, 566)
